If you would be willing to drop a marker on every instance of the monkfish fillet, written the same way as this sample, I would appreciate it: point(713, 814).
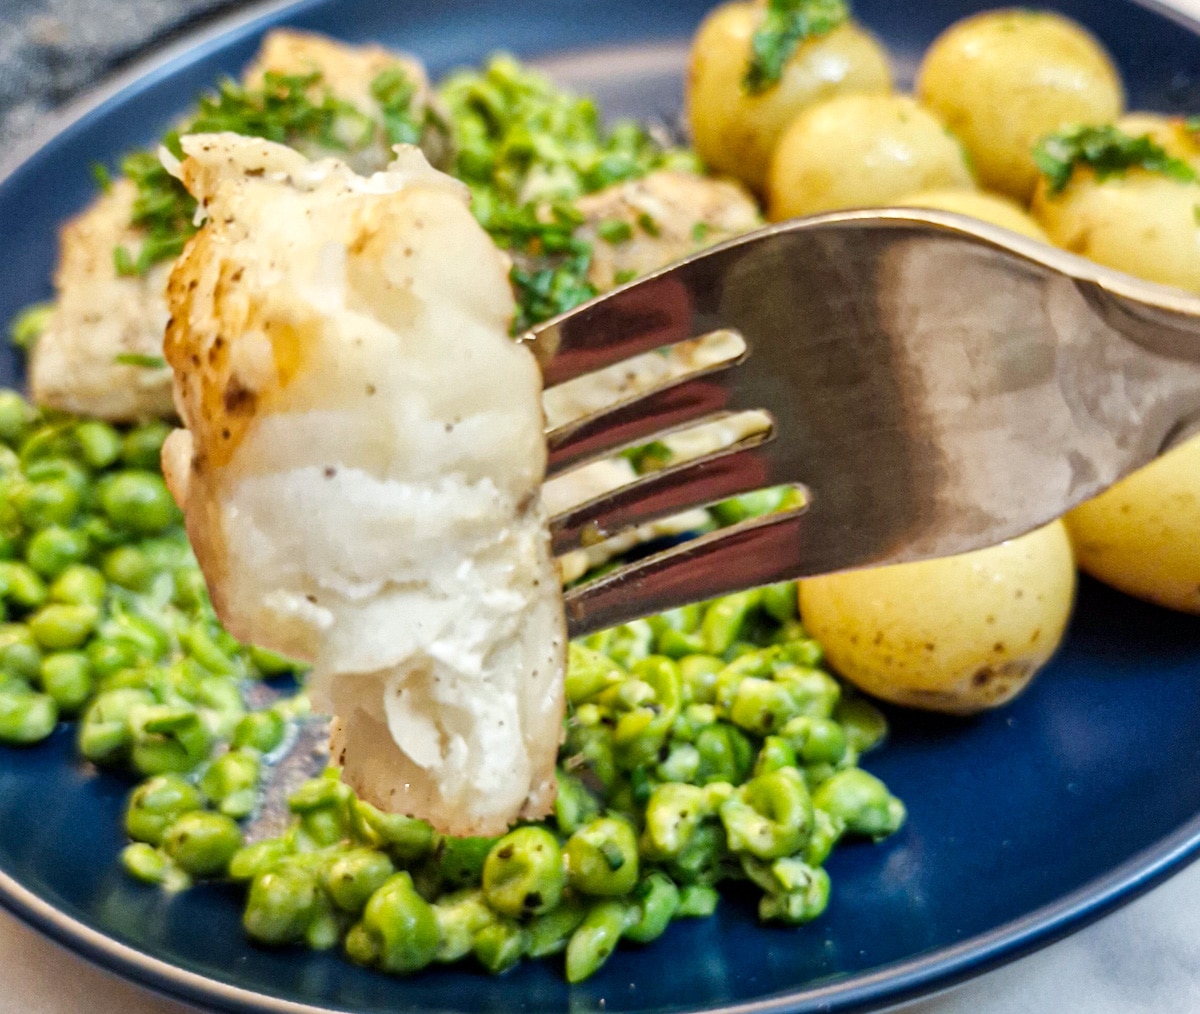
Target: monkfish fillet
point(97, 354)
point(350, 73)
point(670, 214)
point(361, 470)
point(89, 358)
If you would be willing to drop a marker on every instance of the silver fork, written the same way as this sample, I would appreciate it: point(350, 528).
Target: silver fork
point(935, 385)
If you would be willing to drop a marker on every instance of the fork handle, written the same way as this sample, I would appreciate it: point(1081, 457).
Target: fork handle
point(1160, 320)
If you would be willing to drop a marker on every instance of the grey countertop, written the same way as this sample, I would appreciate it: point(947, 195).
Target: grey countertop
point(1145, 959)
point(52, 49)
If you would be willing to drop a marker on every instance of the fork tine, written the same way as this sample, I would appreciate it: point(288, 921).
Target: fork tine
point(741, 468)
point(690, 400)
point(746, 555)
point(660, 309)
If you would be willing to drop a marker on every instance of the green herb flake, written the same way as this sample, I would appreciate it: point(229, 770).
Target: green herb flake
point(124, 263)
point(624, 276)
point(136, 359)
point(28, 325)
point(649, 457)
point(615, 231)
point(648, 225)
point(287, 109)
point(547, 292)
point(1108, 151)
point(102, 176)
point(785, 25)
point(700, 232)
point(395, 91)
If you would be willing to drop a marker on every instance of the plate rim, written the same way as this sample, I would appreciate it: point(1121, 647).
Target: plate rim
point(894, 984)
point(919, 977)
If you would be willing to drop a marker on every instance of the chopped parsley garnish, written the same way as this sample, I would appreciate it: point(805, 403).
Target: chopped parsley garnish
point(546, 292)
point(615, 231)
point(785, 25)
point(528, 150)
point(647, 224)
point(136, 359)
point(284, 109)
point(1108, 151)
point(394, 91)
point(162, 209)
point(551, 275)
point(291, 109)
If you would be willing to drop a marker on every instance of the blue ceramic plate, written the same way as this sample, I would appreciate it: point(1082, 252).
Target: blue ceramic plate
point(1023, 825)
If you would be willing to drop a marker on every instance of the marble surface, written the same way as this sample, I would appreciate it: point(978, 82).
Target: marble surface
point(1144, 959)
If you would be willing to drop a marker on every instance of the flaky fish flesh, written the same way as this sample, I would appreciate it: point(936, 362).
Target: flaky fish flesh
point(361, 470)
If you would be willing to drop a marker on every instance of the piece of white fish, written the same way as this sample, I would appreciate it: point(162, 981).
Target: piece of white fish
point(361, 471)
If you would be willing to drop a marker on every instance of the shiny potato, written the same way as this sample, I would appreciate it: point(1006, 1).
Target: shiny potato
point(992, 208)
point(1138, 221)
point(735, 132)
point(1142, 536)
point(960, 634)
point(1004, 79)
point(858, 151)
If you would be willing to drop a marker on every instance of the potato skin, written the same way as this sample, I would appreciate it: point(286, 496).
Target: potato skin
point(960, 634)
point(735, 132)
point(857, 151)
point(1142, 536)
point(1004, 79)
point(1139, 221)
point(992, 208)
point(1170, 132)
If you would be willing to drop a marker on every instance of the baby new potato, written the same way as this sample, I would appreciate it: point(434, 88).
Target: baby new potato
point(1138, 221)
point(1142, 536)
point(734, 131)
point(857, 151)
point(1004, 79)
point(1168, 132)
point(960, 634)
point(991, 208)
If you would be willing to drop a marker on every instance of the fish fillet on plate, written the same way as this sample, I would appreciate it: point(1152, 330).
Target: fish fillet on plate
point(103, 322)
point(361, 470)
point(349, 73)
point(670, 214)
point(100, 316)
